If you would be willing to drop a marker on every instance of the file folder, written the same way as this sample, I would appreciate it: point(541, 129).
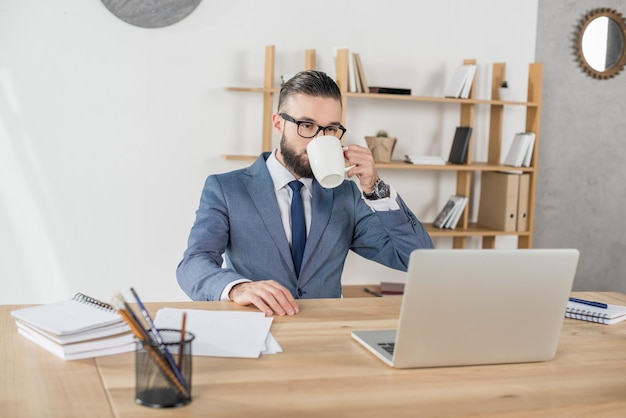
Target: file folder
point(522, 202)
point(499, 194)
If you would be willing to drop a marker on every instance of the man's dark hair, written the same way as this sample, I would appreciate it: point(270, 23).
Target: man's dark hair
point(310, 83)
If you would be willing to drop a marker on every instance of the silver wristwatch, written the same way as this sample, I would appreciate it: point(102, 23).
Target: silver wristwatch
point(381, 190)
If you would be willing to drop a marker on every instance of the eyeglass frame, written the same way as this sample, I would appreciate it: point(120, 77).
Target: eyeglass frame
point(319, 127)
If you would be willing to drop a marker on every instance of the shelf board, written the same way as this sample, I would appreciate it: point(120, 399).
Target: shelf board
point(474, 166)
point(401, 165)
point(473, 230)
point(431, 99)
point(405, 97)
point(232, 157)
point(253, 89)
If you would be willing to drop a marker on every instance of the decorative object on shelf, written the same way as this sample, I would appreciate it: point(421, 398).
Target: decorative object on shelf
point(600, 43)
point(503, 91)
point(284, 78)
point(151, 13)
point(381, 145)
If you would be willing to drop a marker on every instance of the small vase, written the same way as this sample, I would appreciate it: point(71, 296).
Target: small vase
point(381, 147)
point(504, 93)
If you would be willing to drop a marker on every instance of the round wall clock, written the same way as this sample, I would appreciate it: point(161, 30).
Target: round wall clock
point(151, 13)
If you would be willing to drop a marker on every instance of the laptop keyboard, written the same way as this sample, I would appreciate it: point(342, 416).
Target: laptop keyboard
point(388, 347)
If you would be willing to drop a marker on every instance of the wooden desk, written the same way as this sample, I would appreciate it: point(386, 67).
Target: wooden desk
point(323, 372)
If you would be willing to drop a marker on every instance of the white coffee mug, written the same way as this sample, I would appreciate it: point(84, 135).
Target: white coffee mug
point(327, 161)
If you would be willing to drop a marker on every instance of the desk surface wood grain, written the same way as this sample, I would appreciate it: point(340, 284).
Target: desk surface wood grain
point(323, 372)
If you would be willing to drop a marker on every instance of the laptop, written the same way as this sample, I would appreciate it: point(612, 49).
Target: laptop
point(474, 307)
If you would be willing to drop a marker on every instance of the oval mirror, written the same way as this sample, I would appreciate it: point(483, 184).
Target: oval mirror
point(601, 43)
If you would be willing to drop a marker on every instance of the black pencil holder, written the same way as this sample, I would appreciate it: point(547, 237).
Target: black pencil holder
point(163, 371)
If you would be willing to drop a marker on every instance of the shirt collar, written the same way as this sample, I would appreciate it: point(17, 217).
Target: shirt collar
point(281, 176)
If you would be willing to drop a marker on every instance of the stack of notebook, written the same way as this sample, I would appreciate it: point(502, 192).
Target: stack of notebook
point(81, 327)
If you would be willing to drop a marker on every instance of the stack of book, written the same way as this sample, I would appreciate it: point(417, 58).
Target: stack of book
point(81, 327)
point(521, 151)
point(461, 83)
point(391, 288)
point(450, 214)
point(424, 159)
point(357, 82)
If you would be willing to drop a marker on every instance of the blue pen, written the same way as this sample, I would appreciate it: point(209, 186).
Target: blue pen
point(159, 339)
point(590, 303)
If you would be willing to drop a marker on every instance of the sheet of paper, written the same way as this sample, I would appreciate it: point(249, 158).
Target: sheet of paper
point(271, 345)
point(220, 333)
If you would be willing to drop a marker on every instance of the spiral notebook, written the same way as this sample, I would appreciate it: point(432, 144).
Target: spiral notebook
point(612, 314)
point(76, 328)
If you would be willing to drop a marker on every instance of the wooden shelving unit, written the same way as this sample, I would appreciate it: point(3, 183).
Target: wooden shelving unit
point(466, 109)
point(268, 90)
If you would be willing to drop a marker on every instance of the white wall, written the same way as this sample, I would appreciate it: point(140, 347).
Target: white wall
point(107, 131)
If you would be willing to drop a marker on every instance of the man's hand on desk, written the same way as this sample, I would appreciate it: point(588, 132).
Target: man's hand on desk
point(269, 296)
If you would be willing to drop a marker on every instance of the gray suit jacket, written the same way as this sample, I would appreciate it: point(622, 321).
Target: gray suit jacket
point(239, 217)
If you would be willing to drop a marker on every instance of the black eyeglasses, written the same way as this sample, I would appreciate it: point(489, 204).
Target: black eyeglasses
point(308, 129)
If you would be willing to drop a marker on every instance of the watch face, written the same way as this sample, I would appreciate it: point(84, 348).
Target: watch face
point(381, 189)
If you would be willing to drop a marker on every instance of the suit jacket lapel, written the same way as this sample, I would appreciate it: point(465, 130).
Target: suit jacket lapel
point(260, 187)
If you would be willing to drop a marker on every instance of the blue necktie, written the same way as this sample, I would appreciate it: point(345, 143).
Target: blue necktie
point(298, 225)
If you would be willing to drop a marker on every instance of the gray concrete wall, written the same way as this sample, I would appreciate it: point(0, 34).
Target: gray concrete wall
point(581, 194)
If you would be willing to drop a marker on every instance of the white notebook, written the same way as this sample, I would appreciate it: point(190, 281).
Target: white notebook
point(120, 343)
point(77, 315)
point(609, 315)
point(77, 328)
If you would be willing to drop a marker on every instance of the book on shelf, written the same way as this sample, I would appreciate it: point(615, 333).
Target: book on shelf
point(391, 288)
point(595, 312)
point(77, 328)
point(351, 75)
point(443, 214)
point(358, 87)
point(445, 217)
point(528, 155)
point(424, 159)
point(521, 150)
point(459, 205)
point(461, 82)
point(389, 90)
point(360, 73)
point(460, 144)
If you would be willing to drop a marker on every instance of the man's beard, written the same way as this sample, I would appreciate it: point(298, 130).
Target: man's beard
point(298, 164)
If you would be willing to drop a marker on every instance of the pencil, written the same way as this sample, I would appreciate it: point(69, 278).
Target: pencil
point(372, 292)
point(119, 299)
point(181, 349)
point(141, 335)
point(158, 338)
